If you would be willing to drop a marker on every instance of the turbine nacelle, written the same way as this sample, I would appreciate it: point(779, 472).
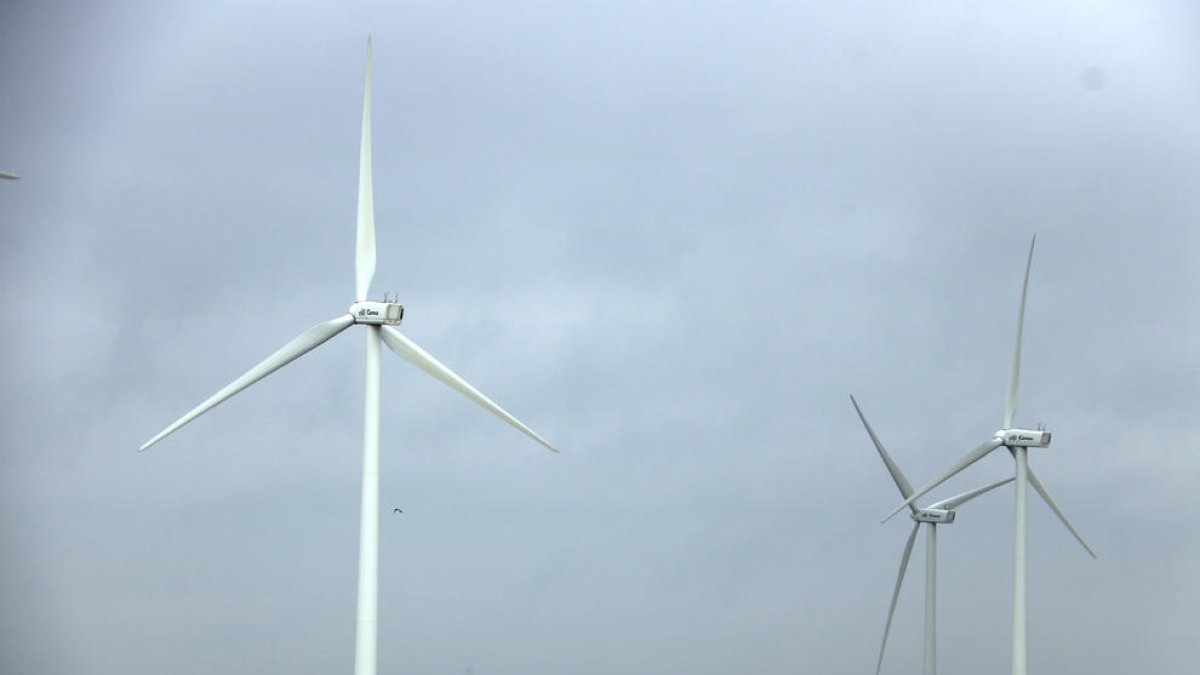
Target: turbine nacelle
point(945, 516)
point(377, 313)
point(1024, 438)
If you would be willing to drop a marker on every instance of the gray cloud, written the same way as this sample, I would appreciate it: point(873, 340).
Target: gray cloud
point(671, 239)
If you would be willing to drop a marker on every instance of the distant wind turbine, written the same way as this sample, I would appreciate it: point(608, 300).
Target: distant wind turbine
point(932, 515)
point(1018, 442)
point(378, 318)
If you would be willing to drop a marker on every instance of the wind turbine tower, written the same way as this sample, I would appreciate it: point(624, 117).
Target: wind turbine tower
point(931, 516)
point(1017, 441)
point(379, 319)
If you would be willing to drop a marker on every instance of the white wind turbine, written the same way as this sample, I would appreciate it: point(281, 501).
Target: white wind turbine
point(378, 318)
point(932, 515)
point(1018, 442)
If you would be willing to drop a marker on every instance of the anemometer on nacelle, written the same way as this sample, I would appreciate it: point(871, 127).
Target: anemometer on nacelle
point(377, 313)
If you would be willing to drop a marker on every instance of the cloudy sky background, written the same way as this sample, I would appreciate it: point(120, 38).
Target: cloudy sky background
point(672, 239)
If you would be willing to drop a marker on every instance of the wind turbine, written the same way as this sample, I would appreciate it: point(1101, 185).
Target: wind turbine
point(931, 516)
point(1018, 441)
point(378, 318)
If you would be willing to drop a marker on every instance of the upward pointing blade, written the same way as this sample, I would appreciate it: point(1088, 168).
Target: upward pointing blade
point(897, 475)
point(364, 255)
point(411, 352)
point(1014, 378)
point(969, 459)
point(303, 343)
point(887, 626)
point(1041, 490)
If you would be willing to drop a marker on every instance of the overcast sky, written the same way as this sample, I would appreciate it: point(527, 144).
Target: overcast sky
point(672, 239)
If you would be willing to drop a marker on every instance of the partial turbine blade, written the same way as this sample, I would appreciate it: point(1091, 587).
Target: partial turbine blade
point(969, 459)
point(887, 626)
point(364, 255)
point(897, 475)
point(299, 346)
point(1041, 490)
point(1014, 378)
point(957, 501)
point(411, 352)
point(9, 176)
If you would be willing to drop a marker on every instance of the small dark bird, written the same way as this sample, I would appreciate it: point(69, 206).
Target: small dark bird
point(397, 510)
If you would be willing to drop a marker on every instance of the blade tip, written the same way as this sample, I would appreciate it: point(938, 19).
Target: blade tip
point(909, 503)
point(150, 443)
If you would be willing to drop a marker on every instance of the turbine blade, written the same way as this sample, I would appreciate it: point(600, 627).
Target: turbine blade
point(1014, 378)
point(411, 352)
point(897, 475)
point(9, 176)
point(887, 626)
point(364, 255)
point(959, 500)
point(969, 459)
point(300, 345)
point(1041, 490)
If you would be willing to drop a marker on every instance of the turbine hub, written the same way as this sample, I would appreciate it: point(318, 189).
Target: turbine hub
point(377, 313)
